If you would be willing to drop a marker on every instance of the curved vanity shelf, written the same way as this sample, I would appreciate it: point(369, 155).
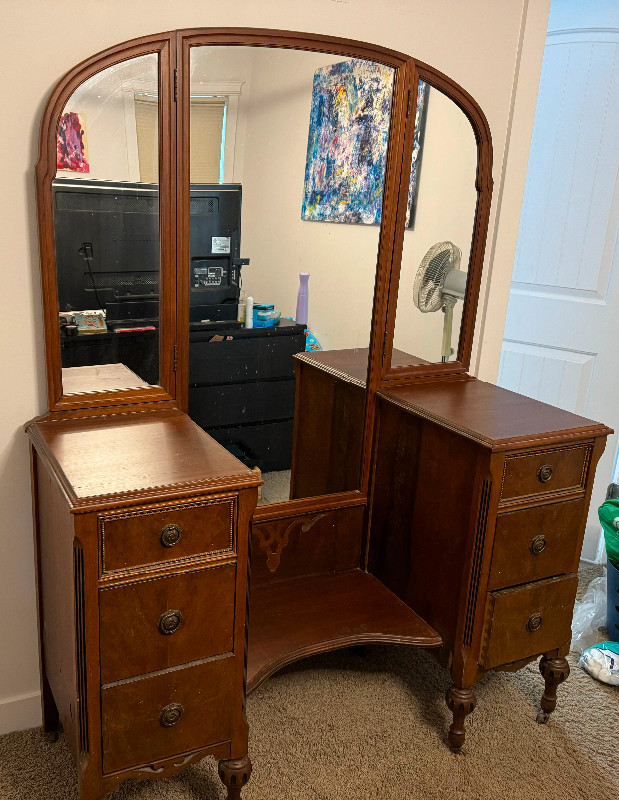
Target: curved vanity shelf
point(295, 619)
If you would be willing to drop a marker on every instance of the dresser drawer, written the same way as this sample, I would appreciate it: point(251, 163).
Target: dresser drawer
point(545, 472)
point(164, 715)
point(528, 620)
point(535, 543)
point(135, 538)
point(163, 622)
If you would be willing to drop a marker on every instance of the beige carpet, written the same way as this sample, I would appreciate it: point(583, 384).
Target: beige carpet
point(355, 726)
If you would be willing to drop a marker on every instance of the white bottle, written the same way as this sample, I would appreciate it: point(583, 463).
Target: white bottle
point(249, 312)
point(242, 306)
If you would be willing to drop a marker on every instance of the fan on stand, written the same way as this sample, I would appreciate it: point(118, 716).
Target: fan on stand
point(439, 284)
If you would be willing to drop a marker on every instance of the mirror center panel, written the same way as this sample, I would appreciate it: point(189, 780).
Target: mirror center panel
point(287, 160)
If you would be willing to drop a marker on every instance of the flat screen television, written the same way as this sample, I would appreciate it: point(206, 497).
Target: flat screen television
point(107, 247)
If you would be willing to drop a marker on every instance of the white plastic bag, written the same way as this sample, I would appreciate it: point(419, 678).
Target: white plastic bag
point(602, 661)
point(589, 615)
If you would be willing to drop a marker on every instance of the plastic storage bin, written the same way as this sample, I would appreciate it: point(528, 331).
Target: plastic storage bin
point(612, 599)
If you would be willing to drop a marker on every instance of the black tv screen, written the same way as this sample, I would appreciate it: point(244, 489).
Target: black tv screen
point(107, 245)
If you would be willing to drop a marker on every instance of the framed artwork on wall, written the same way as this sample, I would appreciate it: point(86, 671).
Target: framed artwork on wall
point(347, 142)
point(71, 143)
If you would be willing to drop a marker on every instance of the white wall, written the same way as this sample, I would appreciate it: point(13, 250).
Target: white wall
point(491, 47)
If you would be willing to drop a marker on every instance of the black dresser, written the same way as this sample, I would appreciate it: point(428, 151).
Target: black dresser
point(241, 390)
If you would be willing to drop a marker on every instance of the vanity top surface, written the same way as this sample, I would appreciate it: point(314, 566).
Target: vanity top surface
point(495, 417)
point(352, 364)
point(134, 454)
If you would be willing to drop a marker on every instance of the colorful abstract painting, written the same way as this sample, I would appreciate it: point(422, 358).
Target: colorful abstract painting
point(420, 124)
point(71, 148)
point(347, 142)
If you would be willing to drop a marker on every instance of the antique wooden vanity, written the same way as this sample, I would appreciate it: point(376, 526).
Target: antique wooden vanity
point(424, 507)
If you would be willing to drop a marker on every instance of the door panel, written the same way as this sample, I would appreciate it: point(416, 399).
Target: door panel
point(560, 335)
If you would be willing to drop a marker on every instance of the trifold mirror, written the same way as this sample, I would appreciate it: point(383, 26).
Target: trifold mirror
point(230, 218)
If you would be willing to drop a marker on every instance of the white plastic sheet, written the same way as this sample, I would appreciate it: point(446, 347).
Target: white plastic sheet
point(589, 615)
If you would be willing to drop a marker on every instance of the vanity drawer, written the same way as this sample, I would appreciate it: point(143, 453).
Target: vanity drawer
point(528, 620)
point(164, 715)
point(545, 472)
point(163, 622)
point(535, 543)
point(138, 537)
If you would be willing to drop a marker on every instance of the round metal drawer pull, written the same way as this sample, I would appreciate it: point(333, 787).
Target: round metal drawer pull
point(534, 622)
point(545, 473)
point(537, 545)
point(170, 622)
point(170, 715)
point(170, 535)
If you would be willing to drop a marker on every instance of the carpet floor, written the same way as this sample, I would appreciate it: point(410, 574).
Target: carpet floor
point(356, 725)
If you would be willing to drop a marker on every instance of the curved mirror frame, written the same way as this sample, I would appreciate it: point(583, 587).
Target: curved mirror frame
point(174, 49)
point(483, 186)
point(162, 46)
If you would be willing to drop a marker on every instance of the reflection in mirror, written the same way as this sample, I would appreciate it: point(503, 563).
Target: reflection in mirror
point(438, 236)
point(106, 223)
point(288, 152)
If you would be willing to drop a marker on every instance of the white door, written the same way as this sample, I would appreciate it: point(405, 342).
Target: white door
point(561, 342)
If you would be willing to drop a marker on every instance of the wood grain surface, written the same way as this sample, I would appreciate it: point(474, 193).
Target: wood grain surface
point(492, 416)
point(126, 453)
point(309, 615)
point(131, 641)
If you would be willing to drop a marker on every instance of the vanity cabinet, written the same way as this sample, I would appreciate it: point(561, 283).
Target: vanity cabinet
point(424, 507)
point(477, 516)
point(142, 535)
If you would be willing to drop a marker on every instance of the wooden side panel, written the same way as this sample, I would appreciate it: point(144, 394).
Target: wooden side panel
point(424, 503)
point(328, 434)
point(310, 544)
point(57, 599)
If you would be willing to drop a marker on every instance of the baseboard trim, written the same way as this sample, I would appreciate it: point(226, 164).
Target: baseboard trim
point(20, 713)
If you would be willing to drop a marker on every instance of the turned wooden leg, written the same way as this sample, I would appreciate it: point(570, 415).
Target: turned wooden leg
point(234, 775)
point(554, 671)
point(461, 702)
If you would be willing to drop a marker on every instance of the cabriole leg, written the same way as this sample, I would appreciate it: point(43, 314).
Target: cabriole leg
point(234, 775)
point(554, 671)
point(461, 702)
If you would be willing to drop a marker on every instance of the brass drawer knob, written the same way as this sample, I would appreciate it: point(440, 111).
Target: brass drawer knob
point(545, 473)
point(534, 622)
point(169, 622)
point(170, 715)
point(537, 545)
point(170, 535)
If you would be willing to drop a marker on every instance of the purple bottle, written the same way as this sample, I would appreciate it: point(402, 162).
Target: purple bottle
point(302, 298)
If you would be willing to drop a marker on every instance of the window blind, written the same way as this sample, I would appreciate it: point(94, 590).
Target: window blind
point(146, 126)
point(205, 129)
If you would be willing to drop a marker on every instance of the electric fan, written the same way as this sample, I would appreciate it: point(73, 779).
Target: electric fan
point(439, 284)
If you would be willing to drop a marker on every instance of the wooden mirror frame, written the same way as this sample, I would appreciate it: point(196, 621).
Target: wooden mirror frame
point(45, 172)
point(483, 186)
point(173, 49)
